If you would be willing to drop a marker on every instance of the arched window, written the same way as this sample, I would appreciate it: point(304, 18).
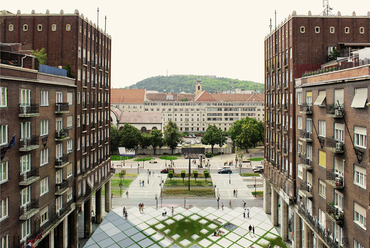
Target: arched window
point(154, 128)
point(143, 130)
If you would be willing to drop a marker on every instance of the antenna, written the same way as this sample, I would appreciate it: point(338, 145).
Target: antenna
point(98, 18)
point(270, 24)
point(105, 24)
point(327, 8)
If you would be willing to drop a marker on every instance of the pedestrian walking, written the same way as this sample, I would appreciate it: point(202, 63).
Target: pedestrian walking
point(245, 204)
point(234, 192)
point(173, 211)
point(140, 183)
point(142, 207)
point(248, 213)
point(250, 228)
point(230, 203)
point(253, 230)
point(244, 214)
point(127, 193)
point(222, 205)
point(143, 183)
point(124, 211)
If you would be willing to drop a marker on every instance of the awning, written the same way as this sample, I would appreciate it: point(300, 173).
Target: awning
point(360, 98)
point(321, 98)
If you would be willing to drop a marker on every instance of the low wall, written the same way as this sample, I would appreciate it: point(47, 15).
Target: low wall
point(165, 150)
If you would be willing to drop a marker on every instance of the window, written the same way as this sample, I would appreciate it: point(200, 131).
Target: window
point(70, 98)
point(58, 176)
point(299, 122)
point(26, 196)
point(3, 172)
point(25, 98)
point(321, 99)
point(339, 132)
point(25, 27)
point(26, 229)
point(322, 158)
point(25, 163)
point(4, 209)
point(44, 156)
point(25, 130)
point(39, 27)
point(338, 97)
point(302, 29)
point(360, 137)
point(54, 27)
point(359, 215)
point(4, 135)
point(309, 98)
point(69, 170)
point(69, 122)
point(69, 194)
point(69, 146)
point(362, 30)
point(59, 203)
point(59, 97)
point(44, 127)
point(300, 172)
point(299, 98)
point(58, 124)
point(68, 27)
point(44, 98)
point(360, 98)
point(11, 27)
point(322, 128)
point(309, 125)
point(59, 151)
point(356, 244)
point(44, 215)
point(338, 199)
point(322, 219)
point(332, 30)
point(3, 97)
point(322, 188)
point(44, 186)
point(5, 241)
point(359, 177)
point(346, 30)
point(317, 29)
point(78, 97)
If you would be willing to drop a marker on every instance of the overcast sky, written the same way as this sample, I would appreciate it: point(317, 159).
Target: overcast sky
point(201, 37)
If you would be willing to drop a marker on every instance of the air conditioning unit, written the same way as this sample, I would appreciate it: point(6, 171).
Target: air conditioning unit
point(338, 112)
point(339, 146)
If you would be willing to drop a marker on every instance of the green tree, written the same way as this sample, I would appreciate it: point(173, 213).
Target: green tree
point(195, 173)
point(206, 175)
point(130, 136)
point(170, 174)
point(156, 139)
point(183, 175)
point(172, 136)
point(114, 138)
point(68, 68)
point(145, 140)
point(41, 57)
point(213, 136)
point(249, 134)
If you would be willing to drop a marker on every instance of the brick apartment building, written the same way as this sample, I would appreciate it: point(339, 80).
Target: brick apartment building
point(294, 182)
point(61, 127)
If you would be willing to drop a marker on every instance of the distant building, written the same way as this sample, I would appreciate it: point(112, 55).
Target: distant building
point(192, 112)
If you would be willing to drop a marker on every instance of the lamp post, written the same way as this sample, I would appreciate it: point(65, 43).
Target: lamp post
point(230, 177)
point(156, 201)
point(255, 186)
point(148, 176)
point(138, 168)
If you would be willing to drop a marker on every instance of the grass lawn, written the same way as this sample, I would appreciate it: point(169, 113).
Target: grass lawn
point(125, 182)
point(168, 157)
point(256, 159)
point(118, 157)
point(277, 242)
point(258, 193)
point(249, 174)
point(203, 192)
point(127, 175)
point(179, 182)
point(144, 159)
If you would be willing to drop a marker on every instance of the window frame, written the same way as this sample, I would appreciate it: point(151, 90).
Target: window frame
point(4, 213)
point(359, 218)
point(44, 156)
point(25, 229)
point(3, 97)
point(360, 137)
point(359, 176)
point(4, 135)
point(4, 176)
point(44, 186)
point(44, 127)
point(322, 189)
point(322, 128)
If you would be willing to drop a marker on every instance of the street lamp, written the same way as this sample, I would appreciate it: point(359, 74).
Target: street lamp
point(148, 176)
point(230, 177)
point(255, 186)
point(156, 201)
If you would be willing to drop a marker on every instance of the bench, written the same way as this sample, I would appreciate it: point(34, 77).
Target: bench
point(220, 222)
point(169, 239)
point(160, 233)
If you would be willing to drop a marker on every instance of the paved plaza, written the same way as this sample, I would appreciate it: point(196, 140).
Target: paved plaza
point(149, 229)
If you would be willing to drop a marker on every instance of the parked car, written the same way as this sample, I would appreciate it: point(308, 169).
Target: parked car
point(259, 170)
point(225, 170)
point(165, 171)
point(257, 167)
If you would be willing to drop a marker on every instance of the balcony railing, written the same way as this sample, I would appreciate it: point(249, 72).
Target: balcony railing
point(306, 189)
point(29, 177)
point(306, 135)
point(335, 110)
point(335, 213)
point(321, 231)
point(306, 162)
point(61, 135)
point(62, 107)
point(83, 127)
point(61, 161)
point(29, 210)
point(334, 179)
point(334, 145)
point(61, 188)
point(306, 108)
point(29, 144)
point(29, 111)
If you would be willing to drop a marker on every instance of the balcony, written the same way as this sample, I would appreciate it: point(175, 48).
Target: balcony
point(306, 189)
point(306, 163)
point(334, 213)
point(29, 144)
point(306, 109)
point(335, 180)
point(29, 210)
point(306, 136)
point(334, 146)
point(61, 188)
point(62, 162)
point(61, 108)
point(29, 111)
point(61, 135)
point(92, 125)
point(278, 127)
point(29, 177)
point(83, 127)
point(335, 111)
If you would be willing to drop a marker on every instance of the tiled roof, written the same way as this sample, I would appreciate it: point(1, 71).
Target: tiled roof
point(116, 112)
point(168, 97)
point(204, 96)
point(239, 97)
point(141, 117)
point(127, 95)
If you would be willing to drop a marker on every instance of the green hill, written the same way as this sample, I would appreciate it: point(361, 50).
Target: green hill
point(177, 84)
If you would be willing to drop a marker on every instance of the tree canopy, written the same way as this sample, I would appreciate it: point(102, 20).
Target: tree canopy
point(172, 135)
point(213, 136)
point(247, 132)
point(130, 136)
point(156, 139)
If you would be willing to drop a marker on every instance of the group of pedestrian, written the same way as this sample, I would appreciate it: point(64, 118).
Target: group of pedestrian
point(164, 214)
point(235, 193)
point(251, 228)
point(141, 183)
point(141, 208)
point(125, 212)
